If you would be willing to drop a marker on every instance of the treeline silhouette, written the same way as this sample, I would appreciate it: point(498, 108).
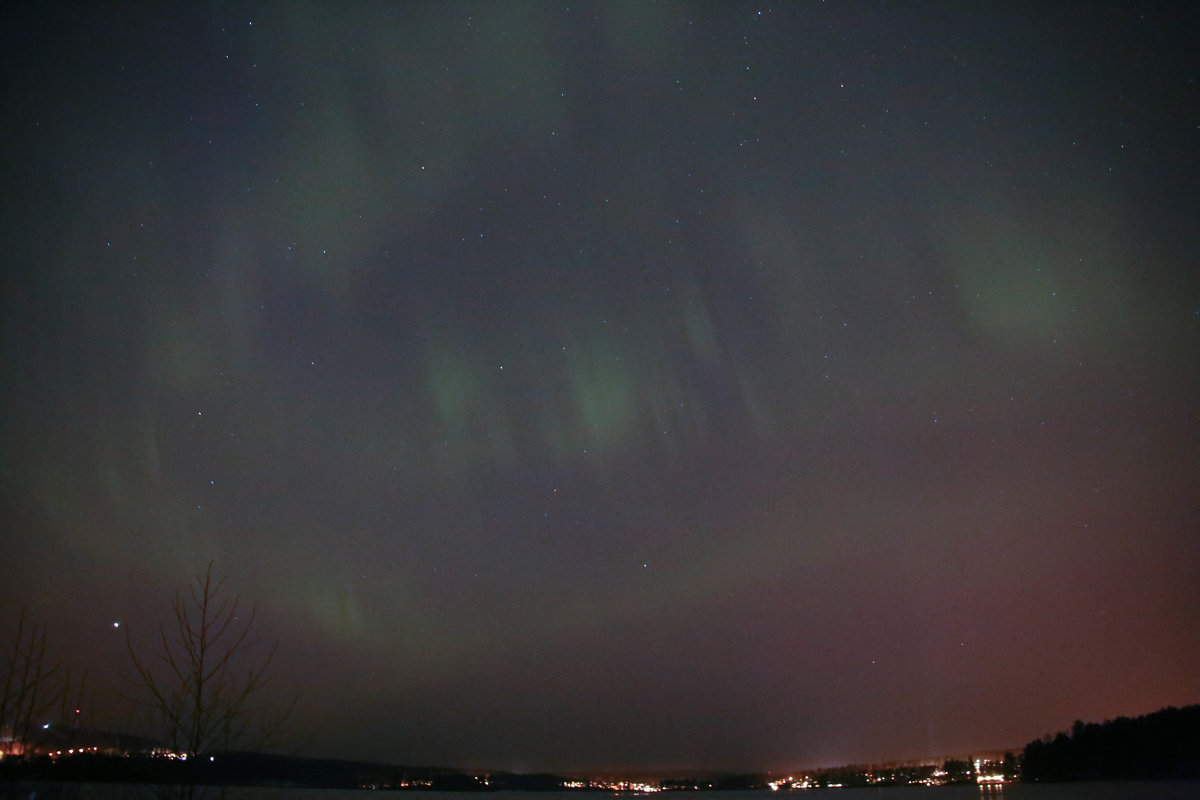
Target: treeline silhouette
point(255, 769)
point(1164, 744)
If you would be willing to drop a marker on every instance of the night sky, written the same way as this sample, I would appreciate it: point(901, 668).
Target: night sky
point(620, 385)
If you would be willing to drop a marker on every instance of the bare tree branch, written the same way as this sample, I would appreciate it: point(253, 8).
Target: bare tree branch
point(205, 681)
point(31, 687)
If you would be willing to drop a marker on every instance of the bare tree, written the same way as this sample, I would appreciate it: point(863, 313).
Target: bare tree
point(205, 680)
point(29, 688)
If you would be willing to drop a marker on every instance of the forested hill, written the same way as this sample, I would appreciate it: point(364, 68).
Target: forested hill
point(1165, 744)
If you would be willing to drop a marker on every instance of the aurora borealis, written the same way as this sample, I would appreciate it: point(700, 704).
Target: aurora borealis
point(621, 384)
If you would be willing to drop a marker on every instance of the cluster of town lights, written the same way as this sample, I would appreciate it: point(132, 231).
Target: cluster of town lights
point(980, 777)
point(632, 787)
point(74, 751)
point(939, 777)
